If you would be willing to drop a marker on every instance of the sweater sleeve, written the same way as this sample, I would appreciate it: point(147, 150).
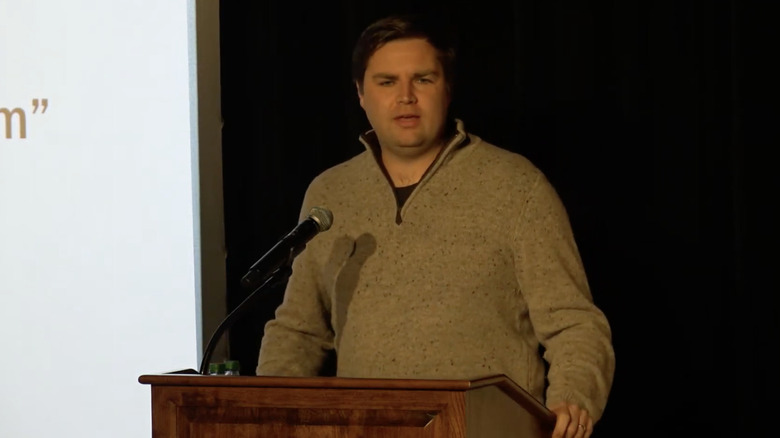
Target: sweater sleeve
point(574, 332)
point(298, 339)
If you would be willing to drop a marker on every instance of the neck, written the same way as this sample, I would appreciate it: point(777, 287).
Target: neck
point(405, 171)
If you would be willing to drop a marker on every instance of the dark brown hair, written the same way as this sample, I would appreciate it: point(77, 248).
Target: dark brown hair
point(397, 27)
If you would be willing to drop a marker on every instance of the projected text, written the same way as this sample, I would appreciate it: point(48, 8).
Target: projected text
point(15, 120)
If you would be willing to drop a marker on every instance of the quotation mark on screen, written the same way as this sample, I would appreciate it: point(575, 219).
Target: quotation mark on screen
point(43, 102)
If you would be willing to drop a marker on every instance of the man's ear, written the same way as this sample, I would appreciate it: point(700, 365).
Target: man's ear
point(359, 93)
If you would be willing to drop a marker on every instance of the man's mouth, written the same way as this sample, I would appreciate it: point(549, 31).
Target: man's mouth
point(407, 120)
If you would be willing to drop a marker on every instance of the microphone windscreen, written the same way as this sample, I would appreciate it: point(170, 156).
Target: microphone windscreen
point(322, 216)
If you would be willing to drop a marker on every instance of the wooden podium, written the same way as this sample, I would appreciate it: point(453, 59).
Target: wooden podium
point(198, 406)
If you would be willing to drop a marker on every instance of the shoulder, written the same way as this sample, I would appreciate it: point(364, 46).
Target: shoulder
point(344, 182)
point(499, 165)
point(479, 155)
point(346, 173)
point(505, 178)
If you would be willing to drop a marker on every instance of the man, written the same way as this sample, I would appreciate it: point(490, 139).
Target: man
point(448, 257)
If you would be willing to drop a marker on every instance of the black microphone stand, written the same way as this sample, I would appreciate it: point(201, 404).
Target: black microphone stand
point(277, 278)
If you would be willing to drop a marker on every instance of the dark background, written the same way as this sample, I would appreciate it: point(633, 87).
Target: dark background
point(652, 119)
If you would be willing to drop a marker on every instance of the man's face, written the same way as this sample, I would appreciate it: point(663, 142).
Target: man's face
point(405, 97)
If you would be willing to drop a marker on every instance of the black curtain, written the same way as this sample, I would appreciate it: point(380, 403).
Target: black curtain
point(646, 117)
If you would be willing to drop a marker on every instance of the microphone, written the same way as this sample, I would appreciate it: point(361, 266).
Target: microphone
point(319, 219)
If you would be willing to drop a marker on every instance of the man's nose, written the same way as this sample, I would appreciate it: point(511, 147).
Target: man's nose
point(406, 94)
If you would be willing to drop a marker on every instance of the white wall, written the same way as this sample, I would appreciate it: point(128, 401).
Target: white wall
point(98, 280)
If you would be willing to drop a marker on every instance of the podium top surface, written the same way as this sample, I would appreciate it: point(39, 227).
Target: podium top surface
point(195, 379)
point(192, 378)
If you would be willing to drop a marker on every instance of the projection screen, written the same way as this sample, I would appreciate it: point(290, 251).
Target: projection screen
point(100, 229)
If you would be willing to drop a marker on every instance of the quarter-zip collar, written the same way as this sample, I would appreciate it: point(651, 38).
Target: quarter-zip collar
point(458, 140)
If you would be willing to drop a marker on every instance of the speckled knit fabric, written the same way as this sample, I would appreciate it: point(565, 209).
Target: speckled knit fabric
point(482, 267)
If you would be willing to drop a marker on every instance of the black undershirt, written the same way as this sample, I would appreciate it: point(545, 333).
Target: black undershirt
point(402, 194)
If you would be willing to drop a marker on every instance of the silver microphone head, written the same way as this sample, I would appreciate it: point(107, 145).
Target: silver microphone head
point(322, 216)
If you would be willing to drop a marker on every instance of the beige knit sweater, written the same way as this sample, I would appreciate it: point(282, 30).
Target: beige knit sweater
point(482, 268)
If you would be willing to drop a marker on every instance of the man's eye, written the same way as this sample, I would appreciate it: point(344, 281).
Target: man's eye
point(424, 81)
point(385, 83)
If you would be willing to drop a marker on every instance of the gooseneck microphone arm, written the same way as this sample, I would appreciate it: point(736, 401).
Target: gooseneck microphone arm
point(273, 269)
point(278, 278)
